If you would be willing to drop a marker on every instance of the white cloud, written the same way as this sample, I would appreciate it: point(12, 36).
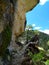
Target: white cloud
point(33, 25)
point(45, 31)
point(28, 28)
point(37, 28)
point(42, 2)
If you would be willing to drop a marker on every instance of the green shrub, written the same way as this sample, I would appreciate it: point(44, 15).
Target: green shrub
point(47, 62)
point(37, 59)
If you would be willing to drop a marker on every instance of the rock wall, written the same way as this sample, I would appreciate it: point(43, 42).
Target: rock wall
point(12, 15)
point(21, 8)
point(12, 24)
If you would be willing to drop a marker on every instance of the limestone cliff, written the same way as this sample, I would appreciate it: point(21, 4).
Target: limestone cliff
point(19, 16)
point(12, 18)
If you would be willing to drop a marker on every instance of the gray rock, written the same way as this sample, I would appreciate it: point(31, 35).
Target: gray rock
point(1, 63)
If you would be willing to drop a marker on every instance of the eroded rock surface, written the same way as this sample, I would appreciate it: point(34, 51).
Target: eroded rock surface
point(12, 24)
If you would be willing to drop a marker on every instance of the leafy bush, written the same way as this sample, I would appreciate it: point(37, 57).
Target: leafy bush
point(39, 58)
point(36, 57)
point(47, 62)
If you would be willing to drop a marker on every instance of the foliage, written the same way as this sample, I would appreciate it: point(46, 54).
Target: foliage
point(6, 37)
point(47, 62)
point(39, 58)
point(36, 32)
point(48, 43)
point(43, 38)
point(42, 57)
point(29, 27)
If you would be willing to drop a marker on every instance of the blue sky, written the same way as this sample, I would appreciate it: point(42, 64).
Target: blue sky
point(39, 16)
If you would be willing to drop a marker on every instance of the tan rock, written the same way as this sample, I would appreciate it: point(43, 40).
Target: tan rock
point(19, 20)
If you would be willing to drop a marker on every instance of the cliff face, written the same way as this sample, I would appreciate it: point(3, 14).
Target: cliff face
point(12, 24)
point(12, 18)
point(19, 16)
point(18, 8)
